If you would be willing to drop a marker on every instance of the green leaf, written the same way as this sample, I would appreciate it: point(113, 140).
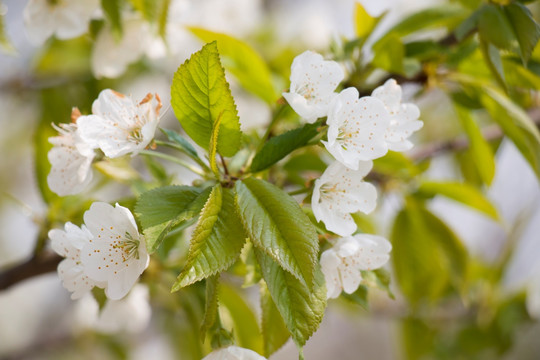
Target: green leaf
point(280, 146)
point(243, 62)
point(363, 22)
point(244, 322)
point(526, 30)
point(492, 57)
point(481, 152)
point(199, 94)
point(211, 305)
point(389, 54)
point(159, 210)
point(463, 193)
point(494, 27)
point(217, 240)
point(359, 297)
point(213, 145)
point(427, 256)
point(274, 330)
point(180, 141)
point(468, 26)
point(301, 309)
point(418, 339)
point(112, 10)
point(277, 225)
point(448, 15)
point(515, 123)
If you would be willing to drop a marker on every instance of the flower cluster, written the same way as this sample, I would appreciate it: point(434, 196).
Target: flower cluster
point(106, 252)
point(118, 126)
point(360, 129)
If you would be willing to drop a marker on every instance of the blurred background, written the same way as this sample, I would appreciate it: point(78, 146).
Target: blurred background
point(40, 82)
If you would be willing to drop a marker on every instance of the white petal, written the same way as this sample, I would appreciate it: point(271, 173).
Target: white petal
point(313, 82)
point(338, 222)
point(374, 251)
point(111, 58)
point(350, 278)
point(389, 94)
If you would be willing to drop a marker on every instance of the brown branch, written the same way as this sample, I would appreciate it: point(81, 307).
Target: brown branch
point(37, 265)
point(490, 133)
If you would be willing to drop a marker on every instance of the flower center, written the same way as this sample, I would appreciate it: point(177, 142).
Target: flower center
point(307, 91)
point(129, 247)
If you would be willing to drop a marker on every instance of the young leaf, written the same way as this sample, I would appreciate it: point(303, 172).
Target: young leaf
point(274, 330)
point(244, 63)
point(363, 22)
point(464, 193)
point(199, 94)
point(244, 322)
point(280, 146)
point(302, 309)
point(526, 30)
point(482, 155)
point(159, 210)
point(389, 54)
point(216, 241)
point(212, 150)
point(278, 226)
point(180, 141)
point(492, 57)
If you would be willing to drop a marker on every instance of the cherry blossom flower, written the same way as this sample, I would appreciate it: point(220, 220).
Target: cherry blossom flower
point(68, 243)
point(64, 18)
point(116, 254)
point(356, 128)
point(404, 117)
point(119, 125)
point(342, 263)
point(341, 191)
point(71, 161)
point(233, 353)
point(313, 82)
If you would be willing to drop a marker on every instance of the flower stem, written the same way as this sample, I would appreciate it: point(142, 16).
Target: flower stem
point(176, 160)
point(182, 150)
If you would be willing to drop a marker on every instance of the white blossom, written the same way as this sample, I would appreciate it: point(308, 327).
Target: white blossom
point(341, 191)
point(64, 18)
point(313, 82)
point(68, 243)
point(233, 353)
point(356, 128)
point(131, 314)
point(404, 117)
point(119, 125)
point(111, 56)
point(116, 254)
point(71, 161)
point(342, 263)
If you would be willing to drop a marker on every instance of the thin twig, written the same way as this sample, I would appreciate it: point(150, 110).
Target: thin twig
point(37, 265)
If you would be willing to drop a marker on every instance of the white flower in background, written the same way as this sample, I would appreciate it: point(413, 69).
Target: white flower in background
point(356, 128)
point(131, 314)
point(404, 117)
point(341, 191)
point(71, 161)
point(111, 56)
point(119, 125)
point(116, 254)
point(233, 353)
point(313, 82)
point(68, 243)
point(64, 18)
point(342, 263)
